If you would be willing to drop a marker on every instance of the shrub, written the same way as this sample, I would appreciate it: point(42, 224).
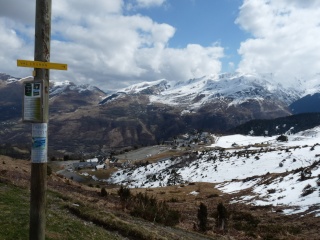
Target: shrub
point(307, 190)
point(173, 200)
point(172, 217)
point(302, 176)
point(103, 192)
point(282, 138)
point(49, 170)
point(305, 174)
point(214, 195)
point(175, 178)
point(124, 193)
point(150, 209)
point(245, 221)
point(271, 230)
point(270, 191)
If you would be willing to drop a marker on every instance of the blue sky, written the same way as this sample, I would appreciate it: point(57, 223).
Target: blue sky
point(113, 44)
point(203, 22)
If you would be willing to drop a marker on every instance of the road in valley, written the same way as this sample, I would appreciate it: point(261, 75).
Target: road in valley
point(143, 153)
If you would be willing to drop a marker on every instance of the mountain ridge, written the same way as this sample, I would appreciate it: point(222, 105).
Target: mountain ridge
point(85, 118)
point(197, 92)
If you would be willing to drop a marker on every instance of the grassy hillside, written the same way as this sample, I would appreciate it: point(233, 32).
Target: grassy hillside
point(78, 211)
point(61, 224)
point(74, 211)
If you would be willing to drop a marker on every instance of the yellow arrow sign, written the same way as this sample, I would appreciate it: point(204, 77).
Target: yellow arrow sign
point(38, 64)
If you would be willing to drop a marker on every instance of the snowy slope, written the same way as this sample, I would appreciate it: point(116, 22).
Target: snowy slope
point(270, 169)
point(65, 87)
point(309, 86)
point(7, 78)
point(155, 87)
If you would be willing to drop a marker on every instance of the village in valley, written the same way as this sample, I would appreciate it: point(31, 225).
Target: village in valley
point(186, 143)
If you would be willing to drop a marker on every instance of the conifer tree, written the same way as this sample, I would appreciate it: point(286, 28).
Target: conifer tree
point(221, 216)
point(202, 217)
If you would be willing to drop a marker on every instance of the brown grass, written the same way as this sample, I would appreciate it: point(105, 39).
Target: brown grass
point(270, 224)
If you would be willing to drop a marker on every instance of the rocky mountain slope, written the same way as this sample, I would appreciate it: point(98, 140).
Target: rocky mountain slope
point(283, 125)
point(85, 119)
point(226, 90)
point(307, 104)
point(10, 98)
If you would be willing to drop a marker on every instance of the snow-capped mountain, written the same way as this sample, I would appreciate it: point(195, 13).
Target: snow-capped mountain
point(67, 96)
point(10, 98)
point(214, 104)
point(309, 86)
point(7, 78)
point(149, 112)
point(57, 88)
point(234, 88)
point(155, 87)
point(310, 96)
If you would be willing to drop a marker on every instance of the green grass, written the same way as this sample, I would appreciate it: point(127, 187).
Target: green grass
point(14, 209)
point(112, 222)
point(60, 223)
point(64, 219)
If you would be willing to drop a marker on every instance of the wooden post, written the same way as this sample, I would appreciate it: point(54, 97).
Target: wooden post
point(39, 130)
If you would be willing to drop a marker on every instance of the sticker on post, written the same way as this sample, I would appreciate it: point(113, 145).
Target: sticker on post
point(32, 102)
point(39, 143)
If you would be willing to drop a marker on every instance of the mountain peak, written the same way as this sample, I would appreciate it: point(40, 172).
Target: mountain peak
point(155, 87)
point(198, 91)
point(62, 87)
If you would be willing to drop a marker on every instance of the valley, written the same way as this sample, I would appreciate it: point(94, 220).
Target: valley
point(230, 143)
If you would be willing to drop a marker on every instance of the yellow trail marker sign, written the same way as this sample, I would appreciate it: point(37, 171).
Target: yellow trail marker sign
point(38, 64)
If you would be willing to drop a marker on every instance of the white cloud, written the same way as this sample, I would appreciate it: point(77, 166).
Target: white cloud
point(136, 4)
point(150, 3)
point(13, 46)
point(285, 38)
point(176, 64)
point(76, 11)
point(105, 47)
point(20, 11)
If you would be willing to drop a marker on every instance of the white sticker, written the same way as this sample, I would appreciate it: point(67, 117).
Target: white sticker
point(39, 143)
